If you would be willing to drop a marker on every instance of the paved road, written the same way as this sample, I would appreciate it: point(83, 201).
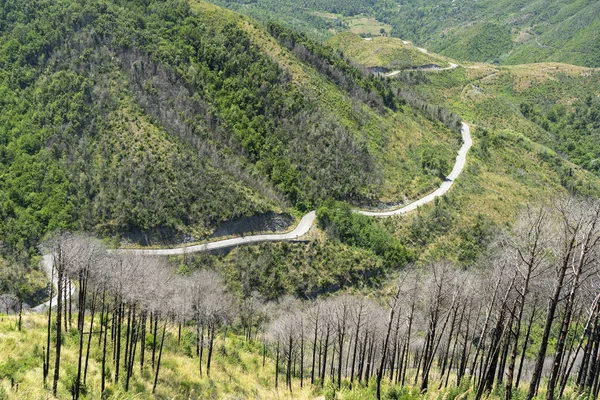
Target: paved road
point(422, 50)
point(461, 160)
point(308, 220)
point(47, 267)
point(300, 230)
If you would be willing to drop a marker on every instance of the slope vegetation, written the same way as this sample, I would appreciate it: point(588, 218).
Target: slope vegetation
point(385, 52)
point(166, 119)
point(535, 136)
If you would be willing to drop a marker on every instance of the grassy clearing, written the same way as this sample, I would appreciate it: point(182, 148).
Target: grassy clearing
point(237, 372)
point(367, 26)
point(385, 52)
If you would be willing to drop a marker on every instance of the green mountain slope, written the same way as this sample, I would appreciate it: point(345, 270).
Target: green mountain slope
point(385, 52)
point(164, 119)
point(536, 135)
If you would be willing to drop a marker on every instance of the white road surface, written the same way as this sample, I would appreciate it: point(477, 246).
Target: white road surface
point(47, 267)
point(300, 230)
point(461, 160)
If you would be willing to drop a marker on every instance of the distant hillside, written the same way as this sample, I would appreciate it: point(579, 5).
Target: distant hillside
point(510, 32)
point(505, 31)
point(166, 119)
point(536, 135)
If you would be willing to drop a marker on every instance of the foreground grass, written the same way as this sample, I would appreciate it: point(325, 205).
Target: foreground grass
point(237, 372)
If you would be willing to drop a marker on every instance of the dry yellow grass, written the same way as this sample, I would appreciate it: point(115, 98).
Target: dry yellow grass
point(386, 52)
point(236, 371)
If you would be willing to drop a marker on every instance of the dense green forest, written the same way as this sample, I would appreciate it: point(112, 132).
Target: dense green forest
point(511, 32)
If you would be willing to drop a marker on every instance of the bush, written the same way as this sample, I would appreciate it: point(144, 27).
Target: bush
point(358, 230)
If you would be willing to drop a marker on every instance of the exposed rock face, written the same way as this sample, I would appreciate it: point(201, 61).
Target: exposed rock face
point(268, 221)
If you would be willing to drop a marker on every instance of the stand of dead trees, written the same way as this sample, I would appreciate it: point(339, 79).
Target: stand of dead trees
point(526, 320)
point(127, 298)
point(441, 325)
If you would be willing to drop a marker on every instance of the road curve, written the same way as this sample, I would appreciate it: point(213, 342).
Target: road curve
point(422, 50)
point(47, 267)
point(461, 160)
point(300, 230)
point(308, 220)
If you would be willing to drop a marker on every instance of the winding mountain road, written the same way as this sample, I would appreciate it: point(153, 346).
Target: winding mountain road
point(300, 230)
point(308, 220)
point(461, 160)
point(47, 267)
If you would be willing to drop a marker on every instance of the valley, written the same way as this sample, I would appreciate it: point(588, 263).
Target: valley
point(152, 154)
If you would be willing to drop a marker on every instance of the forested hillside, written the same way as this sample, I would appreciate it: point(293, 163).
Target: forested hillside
point(509, 32)
point(168, 119)
point(536, 135)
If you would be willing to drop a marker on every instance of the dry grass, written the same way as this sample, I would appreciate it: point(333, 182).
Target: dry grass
point(367, 26)
point(386, 52)
point(236, 371)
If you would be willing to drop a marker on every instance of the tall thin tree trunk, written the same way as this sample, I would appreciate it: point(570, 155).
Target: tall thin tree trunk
point(526, 343)
point(162, 342)
point(407, 345)
point(356, 337)
point(550, 313)
point(118, 342)
point(87, 352)
point(155, 339)
point(325, 357)
point(103, 372)
point(385, 348)
point(59, 307)
point(202, 347)
point(144, 318)
point(277, 365)
point(302, 353)
point(210, 347)
point(47, 358)
point(314, 351)
point(80, 325)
